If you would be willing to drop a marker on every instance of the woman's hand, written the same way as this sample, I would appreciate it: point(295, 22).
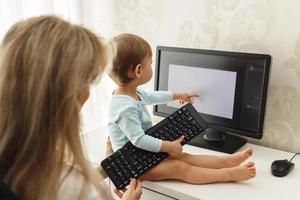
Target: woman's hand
point(133, 192)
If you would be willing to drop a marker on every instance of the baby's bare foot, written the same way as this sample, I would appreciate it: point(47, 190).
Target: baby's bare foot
point(237, 158)
point(242, 172)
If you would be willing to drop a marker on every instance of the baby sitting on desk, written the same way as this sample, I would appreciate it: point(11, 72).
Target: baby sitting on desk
point(129, 119)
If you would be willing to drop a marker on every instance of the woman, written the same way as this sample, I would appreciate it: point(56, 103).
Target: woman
point(46, 68)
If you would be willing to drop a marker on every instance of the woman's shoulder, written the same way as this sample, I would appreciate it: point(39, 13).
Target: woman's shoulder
point(74, 186)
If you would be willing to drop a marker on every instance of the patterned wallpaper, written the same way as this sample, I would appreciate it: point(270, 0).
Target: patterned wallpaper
point(260, 26)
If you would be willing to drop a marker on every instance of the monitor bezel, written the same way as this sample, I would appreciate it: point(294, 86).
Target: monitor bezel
point(242, 132)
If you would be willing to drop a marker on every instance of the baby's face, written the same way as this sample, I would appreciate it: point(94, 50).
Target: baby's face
point(147, 69)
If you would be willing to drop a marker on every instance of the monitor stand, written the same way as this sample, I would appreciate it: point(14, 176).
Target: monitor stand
point(218, 141)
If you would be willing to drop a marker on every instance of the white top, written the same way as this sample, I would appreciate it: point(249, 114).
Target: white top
point(73, 184)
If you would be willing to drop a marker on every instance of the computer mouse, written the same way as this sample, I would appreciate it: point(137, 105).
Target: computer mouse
point(281, 168)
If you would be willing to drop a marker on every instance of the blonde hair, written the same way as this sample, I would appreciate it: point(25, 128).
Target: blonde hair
point(130, 50)
point(45, 64)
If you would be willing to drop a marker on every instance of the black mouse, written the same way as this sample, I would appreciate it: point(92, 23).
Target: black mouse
point(281, 168)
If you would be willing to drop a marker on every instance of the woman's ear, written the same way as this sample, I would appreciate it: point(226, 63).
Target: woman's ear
point(138, 71)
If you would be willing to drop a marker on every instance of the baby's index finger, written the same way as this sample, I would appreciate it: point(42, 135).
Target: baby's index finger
point(193, 94)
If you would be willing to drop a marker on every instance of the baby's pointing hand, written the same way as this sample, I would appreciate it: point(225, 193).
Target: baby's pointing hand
point(187, 97)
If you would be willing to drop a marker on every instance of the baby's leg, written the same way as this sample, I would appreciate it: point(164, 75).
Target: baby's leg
point(179, 170)
point(216, 162)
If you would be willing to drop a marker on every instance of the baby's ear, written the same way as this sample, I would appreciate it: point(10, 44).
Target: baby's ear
point(137, 71)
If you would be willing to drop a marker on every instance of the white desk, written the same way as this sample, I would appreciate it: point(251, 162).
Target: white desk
point(263, 187)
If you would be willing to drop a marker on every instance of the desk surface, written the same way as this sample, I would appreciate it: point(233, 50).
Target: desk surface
point(264, 186)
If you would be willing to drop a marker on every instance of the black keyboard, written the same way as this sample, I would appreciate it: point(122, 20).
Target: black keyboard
point(132, 162)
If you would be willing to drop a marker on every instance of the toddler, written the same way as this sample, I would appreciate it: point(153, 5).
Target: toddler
point(129, 119)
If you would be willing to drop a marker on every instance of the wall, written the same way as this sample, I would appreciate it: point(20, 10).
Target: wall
point(260, 26)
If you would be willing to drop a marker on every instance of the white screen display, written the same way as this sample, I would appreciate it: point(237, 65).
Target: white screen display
point(216, 88)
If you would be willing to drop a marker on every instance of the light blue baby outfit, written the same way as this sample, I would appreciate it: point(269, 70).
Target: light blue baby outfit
point(129, 119)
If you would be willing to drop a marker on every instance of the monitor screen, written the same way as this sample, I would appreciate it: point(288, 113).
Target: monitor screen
point(232, 87)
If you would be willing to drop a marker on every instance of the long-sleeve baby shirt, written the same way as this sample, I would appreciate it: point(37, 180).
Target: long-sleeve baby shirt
point(129, 119)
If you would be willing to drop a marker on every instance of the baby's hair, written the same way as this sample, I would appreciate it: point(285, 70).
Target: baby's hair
point(130, 50)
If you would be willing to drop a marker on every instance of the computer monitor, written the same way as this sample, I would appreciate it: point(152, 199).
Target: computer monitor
point(232, 89)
